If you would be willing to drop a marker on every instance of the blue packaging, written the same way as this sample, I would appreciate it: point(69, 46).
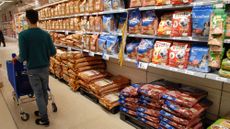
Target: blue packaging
point(201, 20)
point(198, 60)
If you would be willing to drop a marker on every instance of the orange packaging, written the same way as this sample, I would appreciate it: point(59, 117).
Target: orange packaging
point(98, 5)
point(148, 2)
point(179, 55)
point(181, 24)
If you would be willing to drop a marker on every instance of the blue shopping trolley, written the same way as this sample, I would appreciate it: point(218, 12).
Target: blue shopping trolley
point(23, 93)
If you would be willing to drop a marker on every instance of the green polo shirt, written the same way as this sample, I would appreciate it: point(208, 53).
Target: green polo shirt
point(36, 47)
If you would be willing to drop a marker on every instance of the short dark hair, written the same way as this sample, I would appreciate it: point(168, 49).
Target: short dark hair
point(32, 16)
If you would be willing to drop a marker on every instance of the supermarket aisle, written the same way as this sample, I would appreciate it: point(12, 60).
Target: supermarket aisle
point(74, 110)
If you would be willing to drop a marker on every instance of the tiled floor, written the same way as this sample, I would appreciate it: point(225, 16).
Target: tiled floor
point(74, 110)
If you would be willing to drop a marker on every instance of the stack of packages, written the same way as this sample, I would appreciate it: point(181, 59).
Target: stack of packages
point(184, 108)
point(129, 99)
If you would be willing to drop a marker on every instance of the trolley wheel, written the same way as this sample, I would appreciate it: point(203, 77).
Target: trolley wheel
point(54, 107)
point(31, 95)
point(25, 116)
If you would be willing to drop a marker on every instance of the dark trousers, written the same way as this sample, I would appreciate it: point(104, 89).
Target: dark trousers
point(39, 80)
point(2, 41)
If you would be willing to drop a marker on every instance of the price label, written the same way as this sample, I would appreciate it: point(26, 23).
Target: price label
point(69, 48)
point(221, 79)
point(91, 53)
point(142, 65)
point(66, 32)
point(105, 56)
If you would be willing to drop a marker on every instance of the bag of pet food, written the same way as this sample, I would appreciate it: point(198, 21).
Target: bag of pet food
point(134, 3)
point(225, 64)
point(118, 4)
point(102, 43)
point(112, 45)
point(122, 18)
point(178, 2)
point(163, 2)
point(144, 50)
point(108, 23)
point(98, 5)
point(148, 2)
point(135, 22)
point(165, 26)
point(201, 20)
point(198, 60)
point(149, 23)
point(161, 52)
point(131, 49)
point(179, 55)
point(107, 5)
point(181, 24)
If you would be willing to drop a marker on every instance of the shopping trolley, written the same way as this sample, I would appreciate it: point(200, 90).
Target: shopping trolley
point(23, 93)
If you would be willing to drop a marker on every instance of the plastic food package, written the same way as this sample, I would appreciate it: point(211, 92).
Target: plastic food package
point(102, 43)
point(161, 52)
point(149, 23)
point(178, 2)
point(144, 50)
point(179, 55)
point(131, 49)
point(163, 2)
point(225, 64)
point(224, 73)
point(215, 59)
point(187, 96)
point(181, 24)
point(148, 111)
point(148, 2)
point(98, 24)
point(135, 3)
point(135, 22)
point(201, 20)
point(118, 4)
point(153, 91)
point(107, 5)
point(165, 26)
point(189, 113)
point(108, 23)
point(198, 60)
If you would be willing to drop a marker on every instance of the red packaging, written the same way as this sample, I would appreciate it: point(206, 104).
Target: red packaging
point(179, 55)
point(148, 2)
point(178, 2)
point(154, 91)
point(161, 52)
point(181, 24)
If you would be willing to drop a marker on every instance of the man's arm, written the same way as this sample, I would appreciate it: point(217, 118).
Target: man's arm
point(22, 48)
point(51, 47)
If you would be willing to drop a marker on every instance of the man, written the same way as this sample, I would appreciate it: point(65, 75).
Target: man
point(36, 47)
point(2, 39)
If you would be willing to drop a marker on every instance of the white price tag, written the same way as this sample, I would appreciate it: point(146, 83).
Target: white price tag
point(221, 79)
point(91, 53)
point(69, 48)
point(142, 65)
point(105, 56)
point(189, 72)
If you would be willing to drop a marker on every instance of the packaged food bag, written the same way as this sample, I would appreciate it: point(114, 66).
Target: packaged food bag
point(135, 22)
point(165, 26)
point(161, 52)
point(201, 20)
point(181, 24)
point(149, 23)
point(144, 50)
point(198, 60)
